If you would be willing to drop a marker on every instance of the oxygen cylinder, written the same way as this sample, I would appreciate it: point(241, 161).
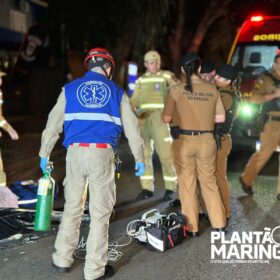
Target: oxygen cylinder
point(44, 203)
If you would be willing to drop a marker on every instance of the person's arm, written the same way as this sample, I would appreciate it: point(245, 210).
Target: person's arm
point(262, 98)
point(132, 129)
point(260, 92)
point(171, 78)
point(135, 95)
point(8, 128)
point(220, 114)
point(54, 127)
point(169, 107)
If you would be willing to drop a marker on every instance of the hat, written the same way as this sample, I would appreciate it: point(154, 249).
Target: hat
point(228, 72)
point(2, 74)
point(189, 57)
point(151, 56)
point(207, 66)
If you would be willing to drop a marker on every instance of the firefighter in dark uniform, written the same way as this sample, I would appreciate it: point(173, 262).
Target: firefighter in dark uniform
point(193, 108)
point(227, 82)
point(266, 92)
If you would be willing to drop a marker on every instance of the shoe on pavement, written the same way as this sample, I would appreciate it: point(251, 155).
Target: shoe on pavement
point(109, 272)
point(168, 195)
point(247, 189)
point(175, 203)
point(192, 234)
point(144, 194)
point(223, 229)
point(61, 269)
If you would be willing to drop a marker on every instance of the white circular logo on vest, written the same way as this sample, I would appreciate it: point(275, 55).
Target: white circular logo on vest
point(93, 94)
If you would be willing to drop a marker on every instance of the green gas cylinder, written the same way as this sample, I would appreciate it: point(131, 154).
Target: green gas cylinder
point(44, 203)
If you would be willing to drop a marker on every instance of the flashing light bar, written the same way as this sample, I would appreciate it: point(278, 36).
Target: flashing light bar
point(257, 18)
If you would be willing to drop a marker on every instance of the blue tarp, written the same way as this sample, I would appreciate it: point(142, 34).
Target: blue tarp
point(10, 36)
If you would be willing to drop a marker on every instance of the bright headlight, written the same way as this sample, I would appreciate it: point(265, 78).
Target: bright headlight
point(247, 110)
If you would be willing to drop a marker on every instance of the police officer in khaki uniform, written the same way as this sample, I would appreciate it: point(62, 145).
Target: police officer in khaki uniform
point(9, 129)
point(227, 82)
point(93, 111)
point(193, 108)
point(266, 92)
point(148, 101)
point(207, 73)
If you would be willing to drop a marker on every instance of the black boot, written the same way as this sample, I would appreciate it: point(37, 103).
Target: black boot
point(61, 269)
point(175, 203)
point(247, 189)
point(144, 194)
point(168, 195)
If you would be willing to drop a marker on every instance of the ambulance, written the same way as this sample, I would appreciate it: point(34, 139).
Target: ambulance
point(252, 53)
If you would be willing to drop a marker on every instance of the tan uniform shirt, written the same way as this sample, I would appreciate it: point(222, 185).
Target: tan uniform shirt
point(264, 85)
point(226, 93)
point(228, 96)
point(194, 110)
point(151, 90)
point(56, 120)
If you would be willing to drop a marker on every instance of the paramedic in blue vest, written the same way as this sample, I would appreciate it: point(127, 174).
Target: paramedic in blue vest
point(94, 111)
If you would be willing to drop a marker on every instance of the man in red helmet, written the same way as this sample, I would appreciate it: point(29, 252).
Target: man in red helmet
point(94, 111)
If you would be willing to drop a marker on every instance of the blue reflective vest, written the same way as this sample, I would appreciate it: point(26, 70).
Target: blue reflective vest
point(92, 113)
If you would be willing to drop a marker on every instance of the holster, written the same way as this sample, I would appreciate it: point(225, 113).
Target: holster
point(175, 132)
point(218, 135)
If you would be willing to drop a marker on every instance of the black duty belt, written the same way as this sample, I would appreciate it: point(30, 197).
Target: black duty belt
point(194, 132)
point(274, 118)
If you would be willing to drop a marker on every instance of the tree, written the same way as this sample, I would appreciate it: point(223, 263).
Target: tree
point(175, 39)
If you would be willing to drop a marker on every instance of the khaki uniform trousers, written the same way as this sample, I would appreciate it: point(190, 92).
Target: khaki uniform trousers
point(156, 135)
point(270, 139)
point(94, 167)
point(221, 172)
point(278, 185)
point(195, 158)
point(3, 179)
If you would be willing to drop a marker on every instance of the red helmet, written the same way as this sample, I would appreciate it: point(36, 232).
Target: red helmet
point(99, 53)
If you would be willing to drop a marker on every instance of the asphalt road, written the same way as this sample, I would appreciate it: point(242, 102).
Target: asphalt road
point(189, 260)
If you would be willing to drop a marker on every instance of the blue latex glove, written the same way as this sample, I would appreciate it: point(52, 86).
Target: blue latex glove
point(43, 163)
point(140, 168)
